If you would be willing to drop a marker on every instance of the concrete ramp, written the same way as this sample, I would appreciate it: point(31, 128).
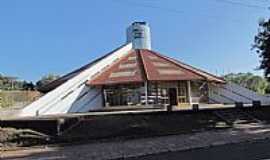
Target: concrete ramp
point(74, 95)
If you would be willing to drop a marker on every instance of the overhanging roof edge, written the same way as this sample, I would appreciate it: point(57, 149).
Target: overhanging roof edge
point(54, 84)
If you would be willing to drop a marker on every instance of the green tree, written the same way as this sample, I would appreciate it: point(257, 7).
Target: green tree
point(262, 46)
point(28, 86)
point(12, 83)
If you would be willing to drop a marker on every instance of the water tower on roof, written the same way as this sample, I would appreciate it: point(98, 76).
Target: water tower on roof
point(138, 33)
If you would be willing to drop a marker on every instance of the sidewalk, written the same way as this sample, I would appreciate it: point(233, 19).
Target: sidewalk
point(139, 147)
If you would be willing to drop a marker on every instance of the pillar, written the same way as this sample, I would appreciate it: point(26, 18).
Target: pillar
point(189, 92)
point(104, 97)
point(146, 92)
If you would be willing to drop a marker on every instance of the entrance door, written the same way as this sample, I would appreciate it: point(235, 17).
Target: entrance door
point(182, 92)
point(173, 96)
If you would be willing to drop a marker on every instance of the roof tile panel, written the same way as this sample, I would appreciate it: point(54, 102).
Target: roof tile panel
point(125, 70)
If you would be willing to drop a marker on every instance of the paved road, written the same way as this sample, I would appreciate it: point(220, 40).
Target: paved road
point(259, 150)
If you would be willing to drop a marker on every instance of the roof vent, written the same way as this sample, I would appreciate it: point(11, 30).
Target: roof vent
point(138, 33)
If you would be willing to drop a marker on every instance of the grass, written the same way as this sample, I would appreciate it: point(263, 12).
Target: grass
point(11, 98)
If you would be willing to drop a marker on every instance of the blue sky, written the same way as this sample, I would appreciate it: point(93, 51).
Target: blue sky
point(57, 36)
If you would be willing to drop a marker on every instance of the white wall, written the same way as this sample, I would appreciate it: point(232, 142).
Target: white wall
point(74, 95)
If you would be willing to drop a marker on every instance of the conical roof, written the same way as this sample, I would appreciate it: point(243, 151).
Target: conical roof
point(146, 65)
point(150, 65)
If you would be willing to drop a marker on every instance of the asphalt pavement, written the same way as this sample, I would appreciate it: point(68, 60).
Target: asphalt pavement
point(259, 150)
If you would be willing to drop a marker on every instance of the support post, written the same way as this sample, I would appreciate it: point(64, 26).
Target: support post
point(146, 92)
point(104, 97)
point(156, 86)
point(239, 104)
point(189, 92)
point(256, 104)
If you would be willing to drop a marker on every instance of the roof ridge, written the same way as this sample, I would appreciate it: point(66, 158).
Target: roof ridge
point(141, 65)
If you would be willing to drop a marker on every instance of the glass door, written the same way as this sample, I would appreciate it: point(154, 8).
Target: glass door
point(182, 92)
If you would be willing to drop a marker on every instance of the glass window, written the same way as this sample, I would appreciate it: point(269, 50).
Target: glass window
point(123, 95)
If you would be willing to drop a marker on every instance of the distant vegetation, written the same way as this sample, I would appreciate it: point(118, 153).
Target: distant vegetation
point(8, 83)
point(20, 92)
point(12, 83)
point(250, 81)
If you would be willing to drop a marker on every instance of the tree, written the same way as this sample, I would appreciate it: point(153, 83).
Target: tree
point(46, 80)
point(262, 46)
point(12, 83)
point(250, 81)
point(28, 86)
point(9, 83)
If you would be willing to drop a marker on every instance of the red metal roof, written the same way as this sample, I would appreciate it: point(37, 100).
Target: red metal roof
point(159, 68)
point(141, 65)
point(127, 69)
point(210, 77)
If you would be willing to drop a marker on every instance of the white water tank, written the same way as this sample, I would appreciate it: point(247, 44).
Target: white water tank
point(139, 35)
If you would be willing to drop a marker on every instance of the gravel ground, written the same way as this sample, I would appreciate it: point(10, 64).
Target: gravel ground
point(146, 146)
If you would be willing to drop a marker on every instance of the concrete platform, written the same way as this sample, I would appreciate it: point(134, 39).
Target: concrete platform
point(13, 114)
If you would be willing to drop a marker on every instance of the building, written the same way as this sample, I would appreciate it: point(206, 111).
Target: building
point(134, 75)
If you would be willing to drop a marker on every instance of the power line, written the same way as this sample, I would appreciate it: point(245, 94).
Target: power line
point(243, 4)
point(146, 5)
point(165, 9)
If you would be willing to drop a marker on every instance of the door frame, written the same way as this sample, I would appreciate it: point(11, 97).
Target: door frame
point(176, 95)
